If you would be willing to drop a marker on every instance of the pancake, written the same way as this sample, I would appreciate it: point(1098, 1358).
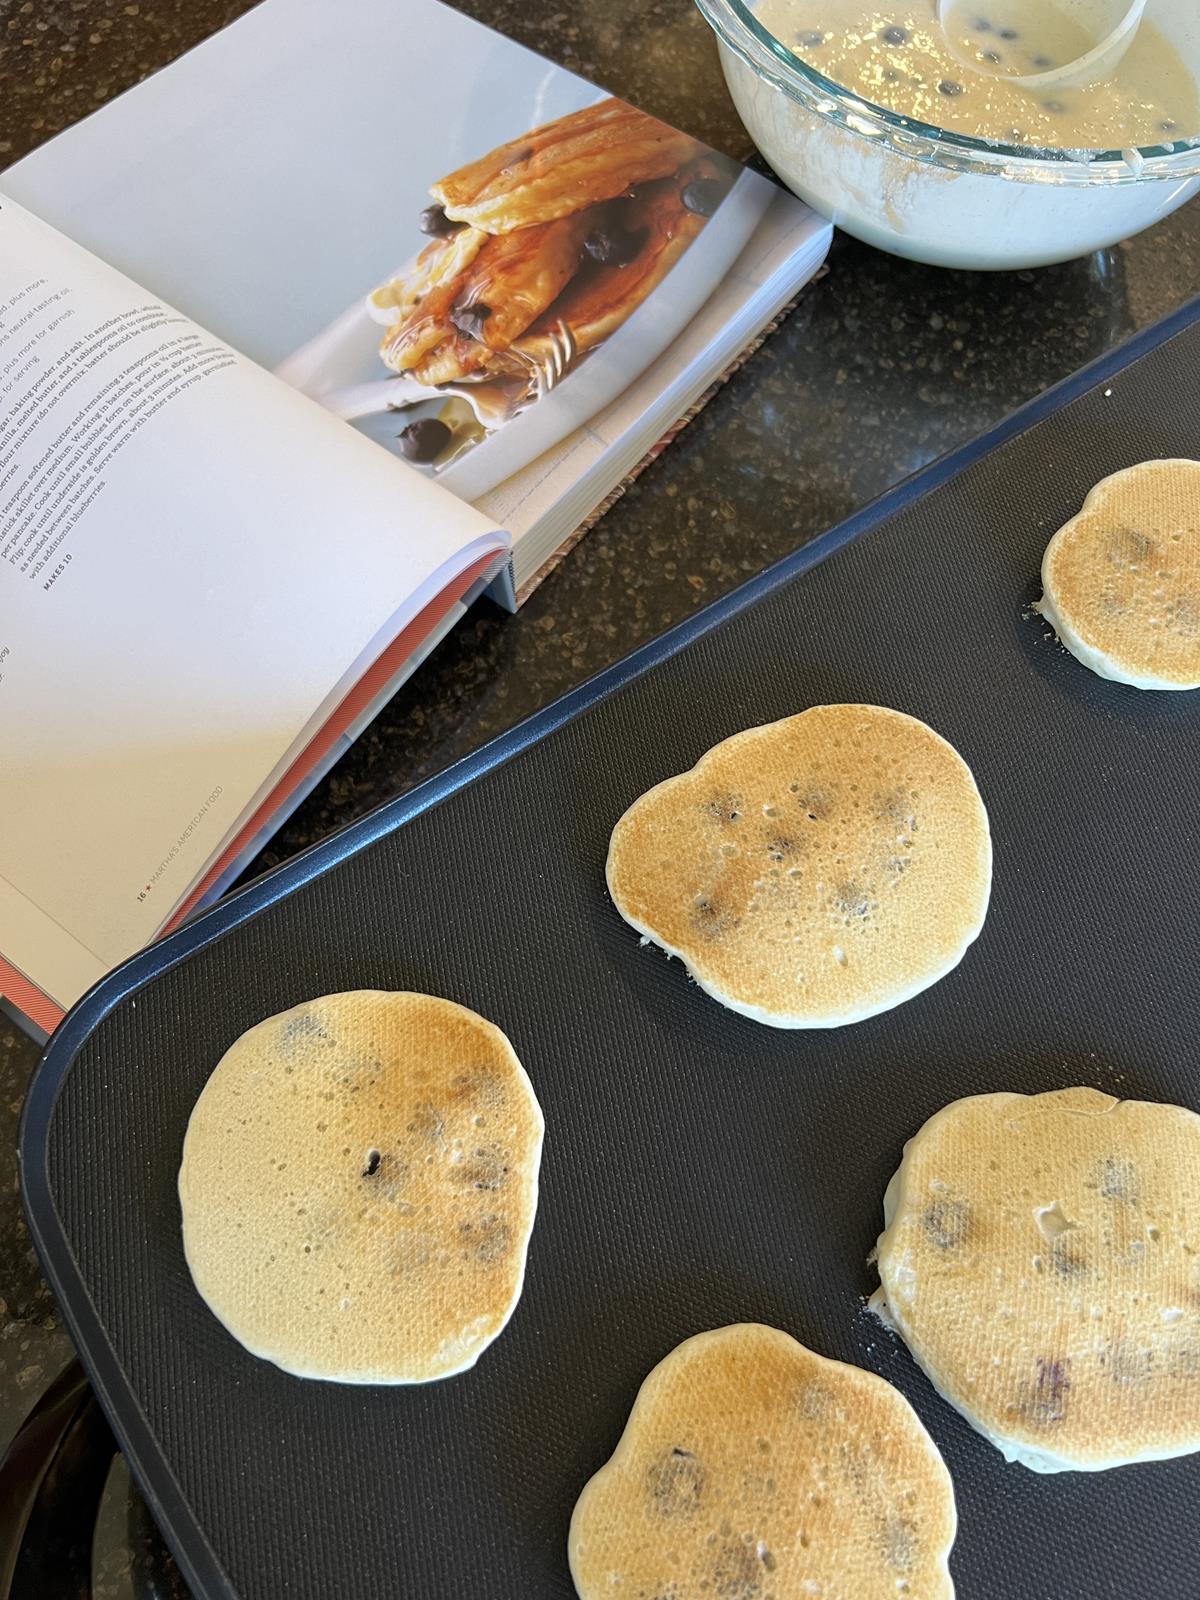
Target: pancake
point(562, 167)
point(752, 1468)
point(656, 226)
point(455, 359)
point(421, 328)
point(1041, 1259)
point(441, 262)
point(358, 1187)
point(507, 284)
point(598, 300)
point(1122, 579)
point(812, 872)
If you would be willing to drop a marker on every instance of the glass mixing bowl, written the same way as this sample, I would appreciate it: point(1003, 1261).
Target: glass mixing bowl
point(941, 197)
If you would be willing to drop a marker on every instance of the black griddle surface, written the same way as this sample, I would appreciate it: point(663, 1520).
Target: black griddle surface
point(699, 1169)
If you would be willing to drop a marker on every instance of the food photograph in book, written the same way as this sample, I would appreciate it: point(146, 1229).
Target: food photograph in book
point(525, 261)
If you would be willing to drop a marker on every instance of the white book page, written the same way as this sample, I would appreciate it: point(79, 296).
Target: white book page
point(195, 564)
point(271, 179)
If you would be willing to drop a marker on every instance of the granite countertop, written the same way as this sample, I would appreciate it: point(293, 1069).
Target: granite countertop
point(883, 366)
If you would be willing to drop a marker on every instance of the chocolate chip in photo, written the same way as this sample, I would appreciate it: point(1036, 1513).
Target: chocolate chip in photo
point(949, 87)
point(435, 221)
point(1009, 33)
point(423, 440)
point(703, 195)
point(895, 35)
point(812, 38)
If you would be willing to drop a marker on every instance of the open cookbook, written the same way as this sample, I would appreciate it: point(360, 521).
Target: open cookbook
point(299, 353)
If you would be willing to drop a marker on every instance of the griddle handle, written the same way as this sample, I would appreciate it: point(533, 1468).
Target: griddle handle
point(51, 1481)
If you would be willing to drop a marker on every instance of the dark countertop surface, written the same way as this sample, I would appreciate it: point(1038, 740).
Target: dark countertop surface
point(883, 366)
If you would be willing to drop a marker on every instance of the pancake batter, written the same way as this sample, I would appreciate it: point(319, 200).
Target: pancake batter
point(902, 60)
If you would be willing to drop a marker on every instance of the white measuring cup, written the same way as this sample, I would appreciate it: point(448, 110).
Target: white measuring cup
point(1112, 23)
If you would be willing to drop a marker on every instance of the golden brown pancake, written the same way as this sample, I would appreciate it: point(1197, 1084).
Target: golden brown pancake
point(358, 1187)
point(599, 299)
point(441, 262)
point(1122, 579)
point(1041, 1259)
point(751, 1467)
point(510, 281)
point(454, 360)
point(421, 330)
point(562, 167)
point(814, 871)
point(518, 275)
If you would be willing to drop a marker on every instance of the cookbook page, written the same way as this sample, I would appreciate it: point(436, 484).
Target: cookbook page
point(196, 564)
point(461, 249)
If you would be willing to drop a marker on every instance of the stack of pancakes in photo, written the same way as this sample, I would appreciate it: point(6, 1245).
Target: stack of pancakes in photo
point(557, 236)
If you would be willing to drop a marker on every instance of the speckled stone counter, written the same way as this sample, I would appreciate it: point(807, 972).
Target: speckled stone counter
point(883, 366)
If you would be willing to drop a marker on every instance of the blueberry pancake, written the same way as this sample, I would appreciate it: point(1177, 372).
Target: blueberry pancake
point(562, 167)
point(752, 1467)
point(358, 1187)
point(1121, 580)
point(441, 263)
point(812, 872)
point(508, 283)
point(1041, 1259)
point(546, 246)
point(635, 241)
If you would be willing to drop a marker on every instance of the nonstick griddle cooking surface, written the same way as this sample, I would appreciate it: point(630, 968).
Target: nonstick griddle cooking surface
point(699, 1169)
